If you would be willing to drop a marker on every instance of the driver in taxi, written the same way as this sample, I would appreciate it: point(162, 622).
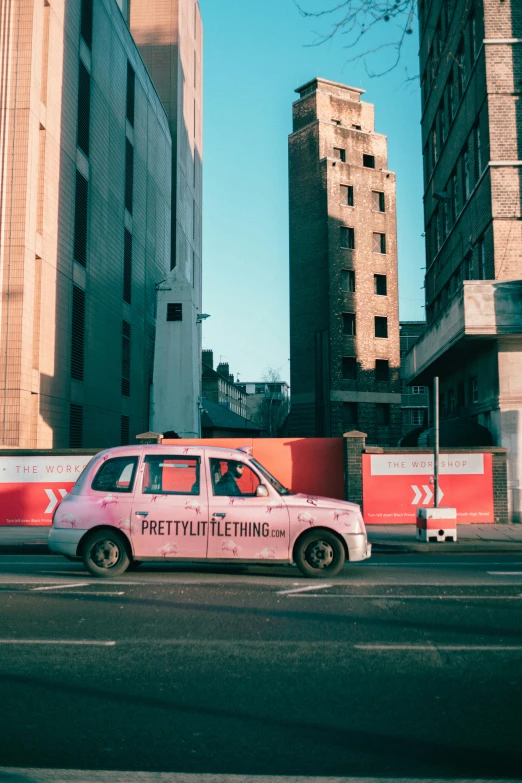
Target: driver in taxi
point(227, 484)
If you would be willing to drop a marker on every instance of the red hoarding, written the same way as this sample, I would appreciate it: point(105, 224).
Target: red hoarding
point(395, 485)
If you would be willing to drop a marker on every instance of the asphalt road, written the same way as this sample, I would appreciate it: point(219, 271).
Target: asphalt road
point(404, 667)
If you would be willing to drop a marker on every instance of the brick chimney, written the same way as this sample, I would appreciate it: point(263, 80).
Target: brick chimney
point(223, 369)
point(207, 357)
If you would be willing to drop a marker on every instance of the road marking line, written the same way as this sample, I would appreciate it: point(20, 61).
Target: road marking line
point(61, 587)
point(295, 590)
point(437, 647)
point(505, 573)
point(428, 597)
point(87, 642)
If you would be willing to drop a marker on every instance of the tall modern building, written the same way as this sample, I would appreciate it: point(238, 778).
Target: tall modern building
point(414, 399)
point(471, 70)
point(85, 198)
point(344, 321)
point(169, 36)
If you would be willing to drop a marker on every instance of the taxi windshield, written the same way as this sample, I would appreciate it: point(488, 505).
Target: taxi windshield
point(273, 481)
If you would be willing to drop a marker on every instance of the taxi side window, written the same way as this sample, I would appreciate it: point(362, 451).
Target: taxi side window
point(169, 475)
point(116, 475)
point(228, 481)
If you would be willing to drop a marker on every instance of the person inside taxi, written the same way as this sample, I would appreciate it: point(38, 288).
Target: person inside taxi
point(227, 484)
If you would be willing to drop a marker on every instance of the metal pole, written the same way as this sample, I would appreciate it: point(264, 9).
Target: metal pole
point(436, 442)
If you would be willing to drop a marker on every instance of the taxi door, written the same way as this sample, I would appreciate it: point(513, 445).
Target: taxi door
point(242, 525)
point(170, 509)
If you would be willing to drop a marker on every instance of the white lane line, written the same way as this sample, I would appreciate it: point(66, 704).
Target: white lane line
point(96, 592)
point(438, 647)
point(416, 597)
point(296, 590)
point(61, 587)
point(505, 573)
point(86, 642)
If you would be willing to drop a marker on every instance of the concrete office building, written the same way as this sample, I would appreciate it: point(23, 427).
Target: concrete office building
point(84, 224)
point(169, 36)
point(471, 70)
point(344, 323)
point(414, 399)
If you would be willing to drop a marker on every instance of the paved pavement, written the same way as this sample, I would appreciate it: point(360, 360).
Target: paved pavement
point(470, 538)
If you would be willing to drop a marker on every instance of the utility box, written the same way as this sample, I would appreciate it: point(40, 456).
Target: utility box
point(436, 524)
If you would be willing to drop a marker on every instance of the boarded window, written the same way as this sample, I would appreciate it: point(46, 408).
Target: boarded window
point(382, 413)
point(347, 280)
point(76, 426)
point(340, 154)
point(80, 219)
point(129, 175)
point(349, 368)
point(84, 109)
point(346, 195)
point(124, 430)
point(381, 326)
point(127, 266)
point(378, 201)
point(78, 334)
point(349, 324)
point(380, 285)
point(347, 237)
point(349, 414)
point(125, 358)
point(382, 370)
point(379, 243)
point(86, 22)
point(369, 161)
point(174, 311)
point(131, 91)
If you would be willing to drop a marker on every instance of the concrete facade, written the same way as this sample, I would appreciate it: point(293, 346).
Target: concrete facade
point(344, 325)
point(414, 399)
point(471, 71)
point(77, 267)
point(169, 36)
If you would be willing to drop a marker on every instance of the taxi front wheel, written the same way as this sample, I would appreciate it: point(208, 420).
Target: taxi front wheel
point(105, 554)
point(319, 554)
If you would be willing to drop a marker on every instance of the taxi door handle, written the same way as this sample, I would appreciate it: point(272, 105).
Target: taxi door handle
point(222, 516)
point(141, 513)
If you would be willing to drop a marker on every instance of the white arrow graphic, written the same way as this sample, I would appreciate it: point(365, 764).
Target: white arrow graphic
point(428, 496)
point(53, 500)
point(440, 494)
point(417, 495)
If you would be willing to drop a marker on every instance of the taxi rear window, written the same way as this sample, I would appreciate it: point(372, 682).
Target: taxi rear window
point(116, 475)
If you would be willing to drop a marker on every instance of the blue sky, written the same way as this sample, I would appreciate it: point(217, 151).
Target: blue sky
point(255, 55)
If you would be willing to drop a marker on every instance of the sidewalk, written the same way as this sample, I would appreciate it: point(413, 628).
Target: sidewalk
point(400, 539)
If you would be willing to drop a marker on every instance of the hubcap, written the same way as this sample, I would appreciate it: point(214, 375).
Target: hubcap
point(319, 554)
point(105, 554)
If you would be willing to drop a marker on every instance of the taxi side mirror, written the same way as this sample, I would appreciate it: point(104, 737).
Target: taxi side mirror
point(261, 491)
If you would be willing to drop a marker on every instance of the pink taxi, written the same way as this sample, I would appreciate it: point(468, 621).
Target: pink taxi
point(168, 503)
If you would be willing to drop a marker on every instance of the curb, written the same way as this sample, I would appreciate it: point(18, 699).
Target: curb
point(477, 546)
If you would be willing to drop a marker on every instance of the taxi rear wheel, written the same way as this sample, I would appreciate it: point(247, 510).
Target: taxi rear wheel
point(105, 554)
point(319, 554)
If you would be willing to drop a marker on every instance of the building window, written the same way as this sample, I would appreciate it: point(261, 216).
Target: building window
point(129, 175)
point(339, 154)
point(86, 22)
point(478, 152)
point(347, 281)
point(461, 400)
point(381, 326)
point(465, 174)
point(84, 109)
point(131, 92)
point(417, 390)
point(369, 161)
point(451, 401)
point(346, 195)
point(382, 413)
point(124, 430)
point(378, 201)
point(382, 370)
point(260, 388)
point(174, 311)
point(451, 97)
point(76, 426)
point(481, 260)
point(460, 68)
point(347, 237)
point(349, 368)
point(379, 243)
point(472, 29)
point(78, 333)
point(380, 285)
point(127, 266)
point(413, 416)
point(80, 219)
point(473, 389)
point(349, 324)
point(349, 414)
point(442, 405)
point(125, 358)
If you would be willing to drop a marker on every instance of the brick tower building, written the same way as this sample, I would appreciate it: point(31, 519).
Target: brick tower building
point(344, 321)
point(471, 77)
